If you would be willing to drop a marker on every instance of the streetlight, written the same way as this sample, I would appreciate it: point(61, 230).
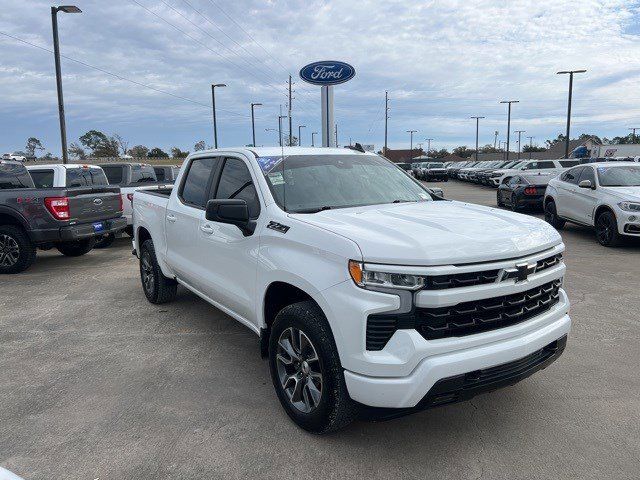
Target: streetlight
point(633, 137)
point(56, 55)
point(411, 132)
point(213, 100)
point(477, 131)
point(509, 124)
point(570, 72)
point(519, 132)
point(253, 123)
point(313, 142)
point(300, 127)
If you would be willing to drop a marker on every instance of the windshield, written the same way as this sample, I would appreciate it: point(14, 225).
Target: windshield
point(81, 177)
point(619, 176)
point(312, 183)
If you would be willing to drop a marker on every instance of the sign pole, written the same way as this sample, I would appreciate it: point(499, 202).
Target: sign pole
point(326, 99)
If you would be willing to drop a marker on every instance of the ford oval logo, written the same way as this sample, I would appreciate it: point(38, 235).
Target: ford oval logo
point(97, 201)
point(327, 72)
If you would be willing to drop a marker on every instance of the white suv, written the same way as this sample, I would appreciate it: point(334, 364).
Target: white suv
point(542, 168)
point(602, 195)
point(366, 290)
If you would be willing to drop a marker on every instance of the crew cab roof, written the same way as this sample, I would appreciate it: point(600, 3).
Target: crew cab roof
point(278, 151)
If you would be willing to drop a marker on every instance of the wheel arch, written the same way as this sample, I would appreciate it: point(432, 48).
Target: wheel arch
point(600, 209)
point(8, 216)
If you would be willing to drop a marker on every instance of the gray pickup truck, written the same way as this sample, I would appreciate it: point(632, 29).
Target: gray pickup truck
point(68, 219)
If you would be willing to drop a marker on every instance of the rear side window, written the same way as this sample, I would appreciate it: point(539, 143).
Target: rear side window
point(569, 163)
point(571, 176)
point(42, 178)
point(14, 176)
point(159, 173)
point(196, 183)
point(143, 174)
point(82, 177)
point(114, 174)
point(236, 182)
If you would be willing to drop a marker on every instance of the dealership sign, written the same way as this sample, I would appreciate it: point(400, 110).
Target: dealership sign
point(327, 73)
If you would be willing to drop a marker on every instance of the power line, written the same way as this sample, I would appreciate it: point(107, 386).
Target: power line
point(120, 77)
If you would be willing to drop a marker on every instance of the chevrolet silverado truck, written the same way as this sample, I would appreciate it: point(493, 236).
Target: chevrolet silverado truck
point(67, 218)
point(369, 294)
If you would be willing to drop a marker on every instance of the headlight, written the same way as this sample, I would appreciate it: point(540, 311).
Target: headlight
point(365, 278)
point(630, 206)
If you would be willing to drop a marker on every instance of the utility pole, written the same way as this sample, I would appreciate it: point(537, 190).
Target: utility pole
point(290, 99)
point(336, 135)
point(633, 136)
point(213, 102)
point(253, 123)
point(530, 146)
point(428, 145)
point(386, 120)
point(313, 138)
point(300, 127)
point(280, 117)
point(495, 138)
point(56, 55)
point(519, 132)
point(509, 102)
point(477, 133)
point(570, 72)
point(411, 132)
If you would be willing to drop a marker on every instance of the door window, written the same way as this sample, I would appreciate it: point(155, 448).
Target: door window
point(114, 174)
point(588, 174)
point(159, 173)
point(42, 178)
point(236, 182)
point(196, 184)
point(546, 165)
point(571, 176)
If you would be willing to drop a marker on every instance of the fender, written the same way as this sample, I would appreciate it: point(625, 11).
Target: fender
point(14, 214)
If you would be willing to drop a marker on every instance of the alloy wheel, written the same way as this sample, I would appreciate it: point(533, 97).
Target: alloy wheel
point(9, 251)
point(148, 278)
point(604, 230)
point(299, 370)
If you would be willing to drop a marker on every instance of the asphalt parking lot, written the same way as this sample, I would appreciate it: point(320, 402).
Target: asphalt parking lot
point(97, 383)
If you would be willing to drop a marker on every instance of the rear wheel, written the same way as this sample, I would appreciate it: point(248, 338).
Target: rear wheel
point(76, 248)
point(104, 241)
point(306, 370)
point(17, 253)
point(157, 288)
point(607, 230)
point(513, 202)
point(499, 199)
point(551, 215)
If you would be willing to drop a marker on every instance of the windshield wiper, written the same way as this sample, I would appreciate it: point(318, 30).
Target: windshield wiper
point(313, 210)
point(404, 201)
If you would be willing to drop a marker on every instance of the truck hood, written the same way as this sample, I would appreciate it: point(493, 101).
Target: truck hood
point(436, 233)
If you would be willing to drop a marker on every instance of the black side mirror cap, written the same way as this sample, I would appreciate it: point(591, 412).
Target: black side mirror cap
point(233, 211)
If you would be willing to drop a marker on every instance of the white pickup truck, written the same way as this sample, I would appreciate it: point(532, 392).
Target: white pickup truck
point(369, 294)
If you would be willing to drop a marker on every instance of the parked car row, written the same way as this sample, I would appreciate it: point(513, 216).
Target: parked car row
point(71, 207)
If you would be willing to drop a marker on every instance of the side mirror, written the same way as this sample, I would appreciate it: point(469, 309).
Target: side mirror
point(232, 211)
point(586, 184)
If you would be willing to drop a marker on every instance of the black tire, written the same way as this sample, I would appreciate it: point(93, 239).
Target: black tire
point(76, 248)
point(334, 409)
point(17, 252)
point(129, 230)
point(104, 241)
point(551, 215)
point(607, 230)
point(514, 203)
point(499, 200)
point(157, 288)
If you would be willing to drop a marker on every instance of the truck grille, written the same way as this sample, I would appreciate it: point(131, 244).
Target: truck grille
point(465, 318)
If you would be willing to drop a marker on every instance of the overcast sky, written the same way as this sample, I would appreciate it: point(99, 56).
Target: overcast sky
point(441, 61)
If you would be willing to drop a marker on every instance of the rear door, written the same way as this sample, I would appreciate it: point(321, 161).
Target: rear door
point(584, 200)
point(184, 216)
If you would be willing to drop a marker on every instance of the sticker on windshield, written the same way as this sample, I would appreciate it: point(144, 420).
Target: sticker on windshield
point(268, 163)
point(276, 178)
point(424, 196)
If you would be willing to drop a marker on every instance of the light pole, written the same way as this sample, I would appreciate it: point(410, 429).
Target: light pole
point(428, 145)
point(530, 146)
point(313, 138)
point(633, 136)
point(477, 132)
point(386, 120)
point(56, 55)
point(253, 123)
point(300, 127)
point(213, 102)
point(411, 132)
point(280, 117)
point(570, 72)
point(519, 132)
point(509, 123)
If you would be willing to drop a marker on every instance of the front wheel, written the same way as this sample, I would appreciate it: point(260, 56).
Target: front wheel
point(76, 248)
point(551, 215)
point(306, 370)
point(607, 230)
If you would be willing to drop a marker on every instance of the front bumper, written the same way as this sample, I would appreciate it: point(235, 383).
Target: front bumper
point(422, 388)
point(77, 232)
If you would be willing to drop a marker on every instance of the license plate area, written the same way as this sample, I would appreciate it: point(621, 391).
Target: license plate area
point(98, 227)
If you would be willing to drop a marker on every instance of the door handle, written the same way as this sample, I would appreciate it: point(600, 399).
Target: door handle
point(206, 229)
point(171, 218)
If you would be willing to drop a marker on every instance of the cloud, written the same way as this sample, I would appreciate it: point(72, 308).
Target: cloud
point(440, 61)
